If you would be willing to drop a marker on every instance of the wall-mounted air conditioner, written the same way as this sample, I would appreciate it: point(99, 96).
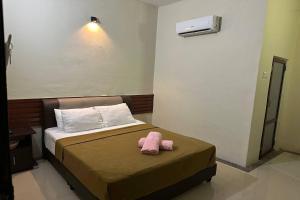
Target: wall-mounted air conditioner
point(199, 26)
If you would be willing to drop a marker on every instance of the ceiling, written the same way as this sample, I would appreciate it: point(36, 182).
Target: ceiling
point(160, 2)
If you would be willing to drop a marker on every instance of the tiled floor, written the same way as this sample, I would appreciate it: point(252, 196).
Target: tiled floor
point(279, 179)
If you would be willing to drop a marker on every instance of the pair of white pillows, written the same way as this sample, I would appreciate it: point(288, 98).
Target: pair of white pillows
point(82, 119)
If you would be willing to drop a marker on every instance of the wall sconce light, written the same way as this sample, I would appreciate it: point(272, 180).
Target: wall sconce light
point(93, 26)
point(95, 20)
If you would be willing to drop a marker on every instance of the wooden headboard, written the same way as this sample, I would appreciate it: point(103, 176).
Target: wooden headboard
point(28, 112)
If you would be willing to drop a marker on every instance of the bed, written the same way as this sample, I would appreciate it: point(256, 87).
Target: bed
point(106, 163)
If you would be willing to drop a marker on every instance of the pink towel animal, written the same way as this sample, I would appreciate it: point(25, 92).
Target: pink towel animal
point(166, 145)
point(151, 144)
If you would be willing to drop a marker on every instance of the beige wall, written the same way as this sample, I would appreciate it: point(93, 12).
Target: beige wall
point(204, 86)
point(56, 55)
point(281, 38)
point(288, 136)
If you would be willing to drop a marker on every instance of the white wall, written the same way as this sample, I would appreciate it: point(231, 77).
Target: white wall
point(204, 86)
point(55, 55)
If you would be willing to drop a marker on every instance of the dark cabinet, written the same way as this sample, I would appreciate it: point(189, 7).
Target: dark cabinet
point(21, 149)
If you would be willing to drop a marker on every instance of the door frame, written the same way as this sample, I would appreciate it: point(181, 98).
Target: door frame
point(6, 187)
point(284, 62)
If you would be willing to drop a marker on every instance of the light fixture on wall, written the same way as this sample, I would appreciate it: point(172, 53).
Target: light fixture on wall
point(94, 24)
point(95, 20)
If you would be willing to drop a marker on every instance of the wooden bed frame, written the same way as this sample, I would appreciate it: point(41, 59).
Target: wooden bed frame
point(166, 193)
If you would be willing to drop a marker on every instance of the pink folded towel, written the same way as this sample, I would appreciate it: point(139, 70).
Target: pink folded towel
point(151, 144)
point(166, 145)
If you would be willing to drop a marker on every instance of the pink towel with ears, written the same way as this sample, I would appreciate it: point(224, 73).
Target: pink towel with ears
point(166, 145)
point(151, 144)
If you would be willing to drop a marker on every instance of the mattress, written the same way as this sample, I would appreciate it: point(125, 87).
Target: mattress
point(110, 165)
point(54, 134)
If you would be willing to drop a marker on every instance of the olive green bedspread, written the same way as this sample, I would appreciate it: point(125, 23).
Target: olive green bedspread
point(112, 167)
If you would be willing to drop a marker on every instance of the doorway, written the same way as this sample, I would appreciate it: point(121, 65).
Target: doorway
point(273, 104)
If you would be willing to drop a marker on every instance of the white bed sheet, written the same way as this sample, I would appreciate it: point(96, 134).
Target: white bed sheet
point(53, 134)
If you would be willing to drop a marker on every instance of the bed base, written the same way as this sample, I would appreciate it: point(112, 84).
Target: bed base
point(48, 120)
point(163, 194)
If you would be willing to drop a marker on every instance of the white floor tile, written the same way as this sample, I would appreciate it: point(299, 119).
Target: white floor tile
point(279, 179)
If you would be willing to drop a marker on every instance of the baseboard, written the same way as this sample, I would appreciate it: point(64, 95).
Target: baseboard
point(265, 159)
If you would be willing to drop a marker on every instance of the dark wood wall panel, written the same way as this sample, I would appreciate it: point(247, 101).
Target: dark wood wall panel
point(29, 111)
point(142, 104)
point(25, 111)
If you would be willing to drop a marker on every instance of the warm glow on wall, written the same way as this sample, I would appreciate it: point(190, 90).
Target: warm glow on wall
point(92, 36)
point(93, 27)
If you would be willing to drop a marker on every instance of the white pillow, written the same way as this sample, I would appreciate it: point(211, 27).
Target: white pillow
point(59, 120)
point(115, 115)
point(75, 120)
